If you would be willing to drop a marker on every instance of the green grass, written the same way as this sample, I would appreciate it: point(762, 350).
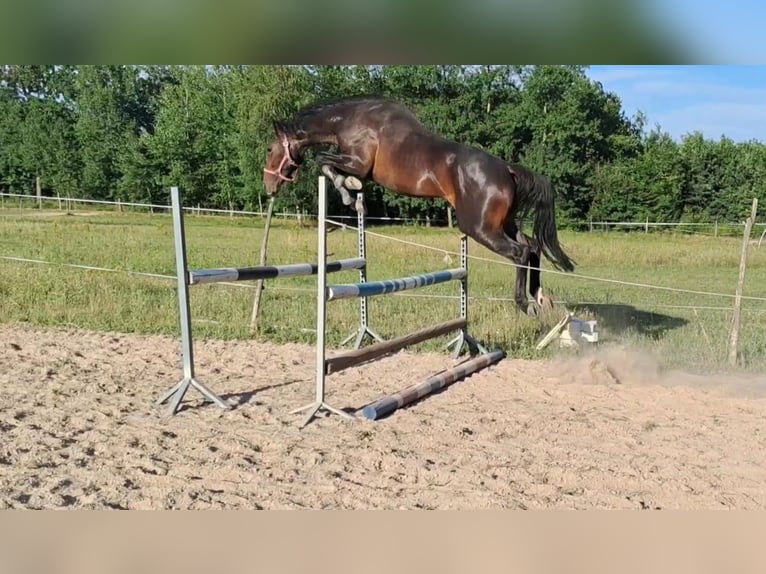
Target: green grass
point(682, 337)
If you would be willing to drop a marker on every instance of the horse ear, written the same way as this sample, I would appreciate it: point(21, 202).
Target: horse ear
point(279, 127)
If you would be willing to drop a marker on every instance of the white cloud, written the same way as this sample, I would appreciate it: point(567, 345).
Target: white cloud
point(737, 121)
point(686, 99)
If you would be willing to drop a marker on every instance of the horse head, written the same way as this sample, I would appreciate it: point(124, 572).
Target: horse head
point(281, 162)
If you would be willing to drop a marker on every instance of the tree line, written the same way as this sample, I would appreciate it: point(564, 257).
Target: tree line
point(129, 132)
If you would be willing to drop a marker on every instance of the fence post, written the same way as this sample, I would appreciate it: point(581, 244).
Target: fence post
point(259, 283)
point(735, 323)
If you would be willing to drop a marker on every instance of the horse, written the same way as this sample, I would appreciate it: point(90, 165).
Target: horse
point(379, 139)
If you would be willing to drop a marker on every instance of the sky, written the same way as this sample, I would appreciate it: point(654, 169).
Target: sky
point(715, 100)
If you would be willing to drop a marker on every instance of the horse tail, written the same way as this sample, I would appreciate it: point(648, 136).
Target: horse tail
point(535, 193)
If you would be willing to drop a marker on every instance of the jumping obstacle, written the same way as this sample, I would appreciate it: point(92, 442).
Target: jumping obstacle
point(358, 356)
point(187, 277)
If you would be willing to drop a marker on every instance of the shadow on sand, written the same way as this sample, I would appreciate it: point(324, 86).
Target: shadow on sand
point(619, 319)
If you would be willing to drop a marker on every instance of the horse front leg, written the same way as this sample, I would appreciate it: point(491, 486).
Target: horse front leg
point(338, 180)
point(342, 170)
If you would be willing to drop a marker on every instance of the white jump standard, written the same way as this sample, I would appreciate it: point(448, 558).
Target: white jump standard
point(186, 277)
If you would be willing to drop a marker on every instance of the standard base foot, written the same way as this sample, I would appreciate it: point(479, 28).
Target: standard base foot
point(360, 334)
point(314, 408)
point(463, 340)
point(177, 394)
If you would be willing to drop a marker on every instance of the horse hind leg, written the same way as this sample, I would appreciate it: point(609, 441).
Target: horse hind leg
point(539, 299)
point(517, 252)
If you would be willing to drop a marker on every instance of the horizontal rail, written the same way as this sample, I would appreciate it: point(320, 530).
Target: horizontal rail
point(200, 276)
point(350, 290)
point(377, 350)
point(390, 403)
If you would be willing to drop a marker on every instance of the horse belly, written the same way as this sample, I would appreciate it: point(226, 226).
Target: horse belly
point(407, 177)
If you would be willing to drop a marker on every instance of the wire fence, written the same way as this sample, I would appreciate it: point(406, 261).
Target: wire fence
point(23, 201)
point(309, 290)
point(715, 228)
point(446, 253)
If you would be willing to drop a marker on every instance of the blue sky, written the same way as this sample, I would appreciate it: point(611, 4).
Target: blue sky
point(718, 32)
point(715, 100)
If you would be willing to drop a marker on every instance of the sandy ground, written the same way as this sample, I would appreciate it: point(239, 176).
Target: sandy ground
point(80, 429)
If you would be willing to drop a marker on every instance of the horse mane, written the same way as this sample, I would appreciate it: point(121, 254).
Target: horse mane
point(328, 106)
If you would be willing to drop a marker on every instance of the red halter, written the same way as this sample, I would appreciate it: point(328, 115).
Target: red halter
point(287, 158)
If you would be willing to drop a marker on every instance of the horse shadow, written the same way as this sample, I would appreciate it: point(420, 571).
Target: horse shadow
point(619, 319)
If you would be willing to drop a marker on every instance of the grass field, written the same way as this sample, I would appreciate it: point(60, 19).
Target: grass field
point(683, 330)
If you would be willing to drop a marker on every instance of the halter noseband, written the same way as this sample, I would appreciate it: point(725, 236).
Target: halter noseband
point(287, 158)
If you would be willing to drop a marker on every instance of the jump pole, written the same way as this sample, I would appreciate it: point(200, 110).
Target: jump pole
point(392, 285)
point(390, 403)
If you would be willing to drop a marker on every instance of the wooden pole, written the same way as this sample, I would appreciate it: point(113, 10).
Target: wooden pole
point(259, 284)
point(377, 350)
point(39, 189)
point(735, 323)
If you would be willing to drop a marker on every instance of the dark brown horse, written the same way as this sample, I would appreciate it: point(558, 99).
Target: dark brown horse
point(381, 140)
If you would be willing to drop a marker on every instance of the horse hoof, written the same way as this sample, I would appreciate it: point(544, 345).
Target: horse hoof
point(545, 302)
point(352, 183)
point(533, 310)
point(346, 198)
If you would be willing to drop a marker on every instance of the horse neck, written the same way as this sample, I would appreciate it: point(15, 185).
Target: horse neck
point(314, 131)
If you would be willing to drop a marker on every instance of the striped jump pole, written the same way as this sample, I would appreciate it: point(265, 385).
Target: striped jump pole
point(390, 403)
point(392, 285)
point(200, 276)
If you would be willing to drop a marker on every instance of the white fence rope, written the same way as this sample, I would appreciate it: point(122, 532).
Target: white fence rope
point(411, 295)
point(446, 252)
point(556, 272)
